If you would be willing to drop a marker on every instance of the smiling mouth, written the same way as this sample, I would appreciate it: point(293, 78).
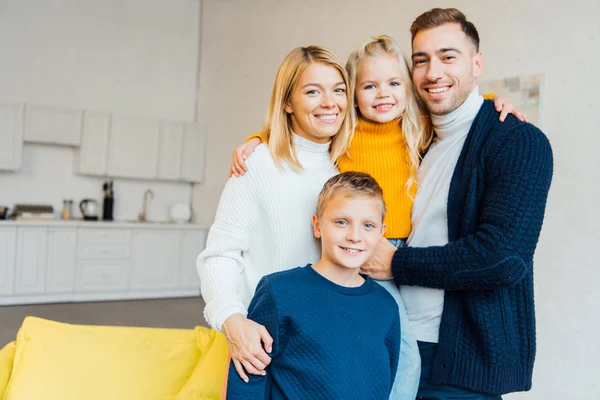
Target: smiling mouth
point(384, 107)
point(327, 118)
point(437, 90)
point(351, 251)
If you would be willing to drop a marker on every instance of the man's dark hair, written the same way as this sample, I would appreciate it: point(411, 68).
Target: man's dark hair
point(441, 16)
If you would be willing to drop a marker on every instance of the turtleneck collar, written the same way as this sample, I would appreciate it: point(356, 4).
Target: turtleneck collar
point(302, 144)
point(458, 121)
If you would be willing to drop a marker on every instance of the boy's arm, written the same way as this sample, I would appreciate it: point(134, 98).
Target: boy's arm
point(262, 310)
point(392, 343)
point(497, 255)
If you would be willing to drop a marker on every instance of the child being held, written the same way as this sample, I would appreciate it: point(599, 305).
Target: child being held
point(336, 334)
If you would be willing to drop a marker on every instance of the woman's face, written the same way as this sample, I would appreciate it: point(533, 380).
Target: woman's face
point(380, 90)
point(318, 104)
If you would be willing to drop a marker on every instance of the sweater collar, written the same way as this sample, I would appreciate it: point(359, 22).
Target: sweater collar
point(365, 288)
point(302, 144)
point(458, 122)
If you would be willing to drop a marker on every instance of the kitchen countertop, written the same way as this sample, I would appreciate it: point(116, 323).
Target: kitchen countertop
point(103, 224)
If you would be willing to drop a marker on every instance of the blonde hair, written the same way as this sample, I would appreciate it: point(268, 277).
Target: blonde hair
point(350, 184)
point(278, 122)
point(415, 120)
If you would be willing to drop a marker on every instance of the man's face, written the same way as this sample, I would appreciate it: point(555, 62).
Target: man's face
point(445, 67)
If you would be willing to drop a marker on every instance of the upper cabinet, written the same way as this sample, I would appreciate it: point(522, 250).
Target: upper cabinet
point(91, 157)
point(53, 125)
point(133, 148)
point(11, 136)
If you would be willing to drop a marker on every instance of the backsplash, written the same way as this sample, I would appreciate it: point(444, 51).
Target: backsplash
point(46, 176)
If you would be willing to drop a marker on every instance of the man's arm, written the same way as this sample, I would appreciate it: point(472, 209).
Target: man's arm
point(261, 310)
point(518, 176)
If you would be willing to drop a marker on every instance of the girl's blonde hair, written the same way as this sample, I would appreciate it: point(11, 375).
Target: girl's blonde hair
point(416, 124)
point(278, 122)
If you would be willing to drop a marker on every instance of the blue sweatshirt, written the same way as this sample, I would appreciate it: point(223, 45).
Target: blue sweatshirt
point(496, 207)
point(329, 341)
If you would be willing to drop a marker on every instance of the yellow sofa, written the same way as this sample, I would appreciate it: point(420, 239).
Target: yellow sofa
point(56, 361)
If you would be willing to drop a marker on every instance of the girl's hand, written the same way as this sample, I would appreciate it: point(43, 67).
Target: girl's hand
point(240, 154)
point(504, 107)
point(244, 338)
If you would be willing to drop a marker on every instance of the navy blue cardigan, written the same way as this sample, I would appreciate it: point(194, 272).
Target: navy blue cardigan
point(496, 207)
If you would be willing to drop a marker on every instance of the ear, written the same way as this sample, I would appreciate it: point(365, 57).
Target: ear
point(477, 65)
point(383, 228)
point(288, 108)
point(316, 228)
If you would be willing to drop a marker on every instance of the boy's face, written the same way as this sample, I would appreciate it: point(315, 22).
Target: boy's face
point(349, 229)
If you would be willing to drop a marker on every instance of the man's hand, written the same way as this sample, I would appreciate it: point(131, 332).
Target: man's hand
point(239, 156)
point(380, 265)
point(244, 338)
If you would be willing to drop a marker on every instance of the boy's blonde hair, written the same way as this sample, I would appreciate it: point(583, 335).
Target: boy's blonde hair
point(350, 184)
point(416, 124)
point(278, 122)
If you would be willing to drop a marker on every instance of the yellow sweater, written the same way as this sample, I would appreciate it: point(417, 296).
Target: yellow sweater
point(380, 151)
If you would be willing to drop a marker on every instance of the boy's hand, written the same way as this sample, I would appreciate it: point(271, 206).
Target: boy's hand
point(244, 338)
point(240, 154)
point(505, 107)
point(380, 265)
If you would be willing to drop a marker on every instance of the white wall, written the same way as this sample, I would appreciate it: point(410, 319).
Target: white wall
point(131, 57)
point(244, 42)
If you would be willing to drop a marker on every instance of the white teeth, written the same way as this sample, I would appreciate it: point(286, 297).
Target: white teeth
point(384, 107)
point(351, 251)
point(438, 90)
point(327, 118)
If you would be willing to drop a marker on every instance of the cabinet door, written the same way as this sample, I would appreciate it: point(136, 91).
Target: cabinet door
point(133, 148)
point(8, 240)
point(169, 152)
point(91, 158)
point(193, 153)
point(192, 244)
point(60, 277)
point(155, 259)
point(53, 125)
point(31, 260)
point(11, 136)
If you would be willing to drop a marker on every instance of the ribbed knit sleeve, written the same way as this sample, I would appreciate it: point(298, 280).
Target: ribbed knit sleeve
point(220, 266)
point(518, 170)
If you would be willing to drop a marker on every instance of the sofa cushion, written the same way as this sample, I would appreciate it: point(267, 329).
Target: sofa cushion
point(57, 361)
point(7, 355)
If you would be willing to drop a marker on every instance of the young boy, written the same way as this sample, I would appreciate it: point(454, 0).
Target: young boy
point(336, 333)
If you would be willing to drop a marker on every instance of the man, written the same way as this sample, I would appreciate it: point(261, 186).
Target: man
point(467, 275)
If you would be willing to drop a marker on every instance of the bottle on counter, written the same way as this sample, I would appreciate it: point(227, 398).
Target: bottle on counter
point(67, 210)
point(108, 202)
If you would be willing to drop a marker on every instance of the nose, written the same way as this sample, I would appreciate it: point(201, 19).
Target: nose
point(383, 91)
point(434, 70)
point(328, 100)
point(354, 234)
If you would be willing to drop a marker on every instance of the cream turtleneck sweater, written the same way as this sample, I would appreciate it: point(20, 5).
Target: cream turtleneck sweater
point(262, 225)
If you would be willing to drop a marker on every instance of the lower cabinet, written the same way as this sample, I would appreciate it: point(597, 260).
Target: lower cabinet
point(41, 264)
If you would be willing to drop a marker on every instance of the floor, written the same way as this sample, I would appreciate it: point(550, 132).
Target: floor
point(167, 313)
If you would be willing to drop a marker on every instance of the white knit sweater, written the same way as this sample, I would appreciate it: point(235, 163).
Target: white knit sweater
point(262, 225)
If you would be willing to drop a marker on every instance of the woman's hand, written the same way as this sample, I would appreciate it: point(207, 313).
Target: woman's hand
point(505, 107)
point(240, 154)
point(244, 338)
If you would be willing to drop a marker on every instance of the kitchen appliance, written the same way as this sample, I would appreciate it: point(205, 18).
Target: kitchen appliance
point(108, 202)
point(90, 209)
point(180, 213)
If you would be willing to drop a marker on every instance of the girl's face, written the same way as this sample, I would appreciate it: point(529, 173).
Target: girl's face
point(380, 91)
point(318, 104)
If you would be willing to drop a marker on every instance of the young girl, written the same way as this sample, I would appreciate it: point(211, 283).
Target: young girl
point(263, 222)
point(391, 133)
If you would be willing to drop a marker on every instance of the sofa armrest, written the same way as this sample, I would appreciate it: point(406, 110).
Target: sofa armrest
point(7, 355)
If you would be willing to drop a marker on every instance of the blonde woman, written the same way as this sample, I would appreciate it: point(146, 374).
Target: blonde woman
point(263, 222)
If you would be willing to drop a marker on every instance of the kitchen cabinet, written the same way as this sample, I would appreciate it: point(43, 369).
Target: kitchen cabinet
point(8, 240)
point(53, 125)
point(31, 260)
point(193, 153)
point(11, 136)
point(60, 276)
point(192, 244)
point(91, 157)
point(169, 153)
point(155, 259)
point(133, 148)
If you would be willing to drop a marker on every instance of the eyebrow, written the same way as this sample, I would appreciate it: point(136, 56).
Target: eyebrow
point(393, 78)
point(319, 85)
point(440, 51)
